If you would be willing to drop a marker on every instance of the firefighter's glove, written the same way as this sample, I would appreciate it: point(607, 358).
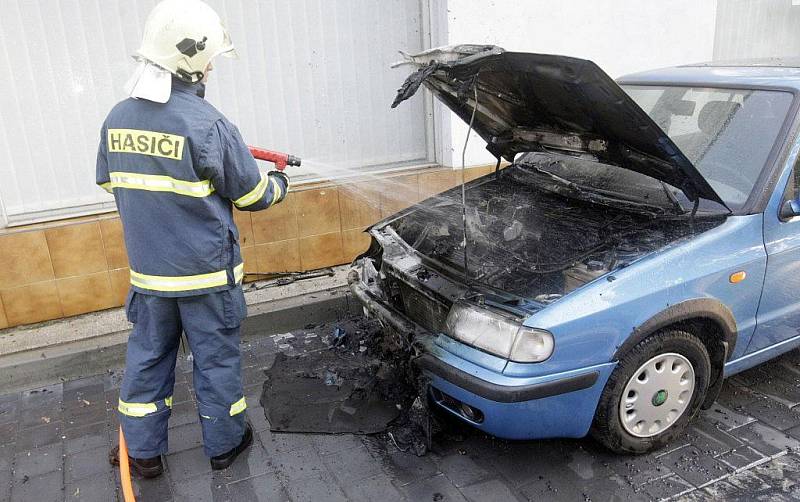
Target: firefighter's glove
point(280, 179)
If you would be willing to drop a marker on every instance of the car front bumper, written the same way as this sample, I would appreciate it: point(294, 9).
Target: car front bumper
point(547, 406)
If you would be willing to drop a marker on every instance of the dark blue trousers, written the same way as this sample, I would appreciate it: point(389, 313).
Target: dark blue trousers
point(211, 323)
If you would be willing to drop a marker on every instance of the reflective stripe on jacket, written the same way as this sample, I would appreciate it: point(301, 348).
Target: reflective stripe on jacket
point(176, 170)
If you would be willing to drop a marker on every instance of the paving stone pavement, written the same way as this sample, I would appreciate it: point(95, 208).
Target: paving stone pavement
point(54, 442)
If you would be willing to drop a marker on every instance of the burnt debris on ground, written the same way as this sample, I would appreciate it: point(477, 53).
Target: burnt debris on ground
point(358, 378)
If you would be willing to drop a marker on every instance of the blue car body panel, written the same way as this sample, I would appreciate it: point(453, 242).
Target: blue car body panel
point(591, 323)
point(779, 311)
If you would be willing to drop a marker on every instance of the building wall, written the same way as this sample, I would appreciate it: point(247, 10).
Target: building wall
point(757, 29)
point(310, 80)
point(71, 267)
point(621, 36)
point(68, 267)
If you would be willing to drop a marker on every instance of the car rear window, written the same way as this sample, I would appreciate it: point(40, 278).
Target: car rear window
point(727, 134)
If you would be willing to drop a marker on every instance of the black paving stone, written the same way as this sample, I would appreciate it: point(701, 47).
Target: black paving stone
point(492, 489)
point(462, 470)
point(37, 437)
point(253, 462)
point(726, 418)
point(181, 393)
point(94, 383)
point(39, 461)
point(6, 457)
point(45, 488)
point(152, 490)
point(742, 458)
point(322, 488)
point(202, 489)
point(779, 389)
point(637, 470)
point(255, 414)
point(766, 439)
point(748, 483)
point(695, 467)
point(299, 464)
point(5, 484)
point(188, 464)
point(39, 416)
point(773, 413)
point(42, 397)
point(185, 437)
point(733, 395)
point(254, 375)
point(405, 468)
point(522, 463)
point(86, 437)
point(280, 442)
point(85, 405)
point(263, 488)
point(8, 433)
point(665, 488)
point(352, 465)
point(780, 471)
point(97, 488)
point(112, 379)
point(436, 488)
point(710, 439)
point(86, 463)
point(552, 487)
point(330, 444)
point(378, 488)
point(183, 413)
point(8, 409)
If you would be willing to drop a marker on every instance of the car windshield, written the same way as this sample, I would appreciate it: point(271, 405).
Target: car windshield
point(726, 133)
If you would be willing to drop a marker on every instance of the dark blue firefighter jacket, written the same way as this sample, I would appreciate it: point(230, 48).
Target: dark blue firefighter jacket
point(176, 170)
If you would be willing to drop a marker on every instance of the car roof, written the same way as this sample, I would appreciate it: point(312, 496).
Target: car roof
point(763, 72)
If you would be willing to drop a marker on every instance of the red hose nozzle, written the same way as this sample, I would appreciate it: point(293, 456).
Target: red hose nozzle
point(281, 160)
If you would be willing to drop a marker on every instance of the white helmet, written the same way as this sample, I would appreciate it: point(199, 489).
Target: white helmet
point(181, 37)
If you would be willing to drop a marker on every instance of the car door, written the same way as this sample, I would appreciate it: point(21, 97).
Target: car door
point(778, 317)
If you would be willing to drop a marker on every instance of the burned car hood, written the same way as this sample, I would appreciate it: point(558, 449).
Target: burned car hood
point(541, 102)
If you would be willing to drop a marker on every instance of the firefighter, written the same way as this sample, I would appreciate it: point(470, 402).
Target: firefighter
point(176, 167)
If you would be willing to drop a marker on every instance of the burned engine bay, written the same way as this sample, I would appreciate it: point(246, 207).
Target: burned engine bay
point(536, 235)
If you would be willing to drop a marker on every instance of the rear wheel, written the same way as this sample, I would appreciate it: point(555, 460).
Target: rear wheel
point(652, 394)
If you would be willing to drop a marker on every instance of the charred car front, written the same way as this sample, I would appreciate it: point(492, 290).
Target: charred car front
point(640, 247)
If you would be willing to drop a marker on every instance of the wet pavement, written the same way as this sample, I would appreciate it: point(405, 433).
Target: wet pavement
point(54, 442)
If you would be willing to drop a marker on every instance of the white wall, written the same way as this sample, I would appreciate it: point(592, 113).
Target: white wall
point(313, 80)
point(621, 36)
point(764, 28)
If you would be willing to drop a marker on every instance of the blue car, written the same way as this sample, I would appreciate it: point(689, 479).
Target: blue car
point(642, 244)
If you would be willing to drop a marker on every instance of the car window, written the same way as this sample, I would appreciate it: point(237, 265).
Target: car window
point(727, 134)
point(793, 184)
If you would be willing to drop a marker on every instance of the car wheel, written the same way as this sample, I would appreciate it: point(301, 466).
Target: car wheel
point(657, 387)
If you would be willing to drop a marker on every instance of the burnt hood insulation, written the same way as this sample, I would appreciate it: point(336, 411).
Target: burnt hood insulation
point(541, 102)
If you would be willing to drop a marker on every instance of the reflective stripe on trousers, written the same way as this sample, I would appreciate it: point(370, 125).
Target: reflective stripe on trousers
point(142, 409)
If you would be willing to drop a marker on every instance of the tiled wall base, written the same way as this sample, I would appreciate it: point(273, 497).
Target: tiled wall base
point(71, 267)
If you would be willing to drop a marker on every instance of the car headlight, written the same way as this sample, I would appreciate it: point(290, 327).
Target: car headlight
point(498, 335)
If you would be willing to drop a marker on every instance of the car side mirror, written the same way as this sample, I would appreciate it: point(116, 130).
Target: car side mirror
point(790, 209)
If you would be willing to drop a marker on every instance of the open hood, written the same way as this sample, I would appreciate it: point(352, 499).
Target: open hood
point(541, 102)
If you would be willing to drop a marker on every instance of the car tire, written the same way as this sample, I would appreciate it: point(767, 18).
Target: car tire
point(652, 413)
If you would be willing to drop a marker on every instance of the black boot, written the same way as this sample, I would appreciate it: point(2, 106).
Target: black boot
point(145, 467)
point(226, 459)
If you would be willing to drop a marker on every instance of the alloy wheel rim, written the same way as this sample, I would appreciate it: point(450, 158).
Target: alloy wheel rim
point(657, 395)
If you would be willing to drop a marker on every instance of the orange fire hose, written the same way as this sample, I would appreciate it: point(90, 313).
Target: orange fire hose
point(125, 469)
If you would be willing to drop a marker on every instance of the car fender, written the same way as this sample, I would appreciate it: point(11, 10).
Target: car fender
point(697, 308)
